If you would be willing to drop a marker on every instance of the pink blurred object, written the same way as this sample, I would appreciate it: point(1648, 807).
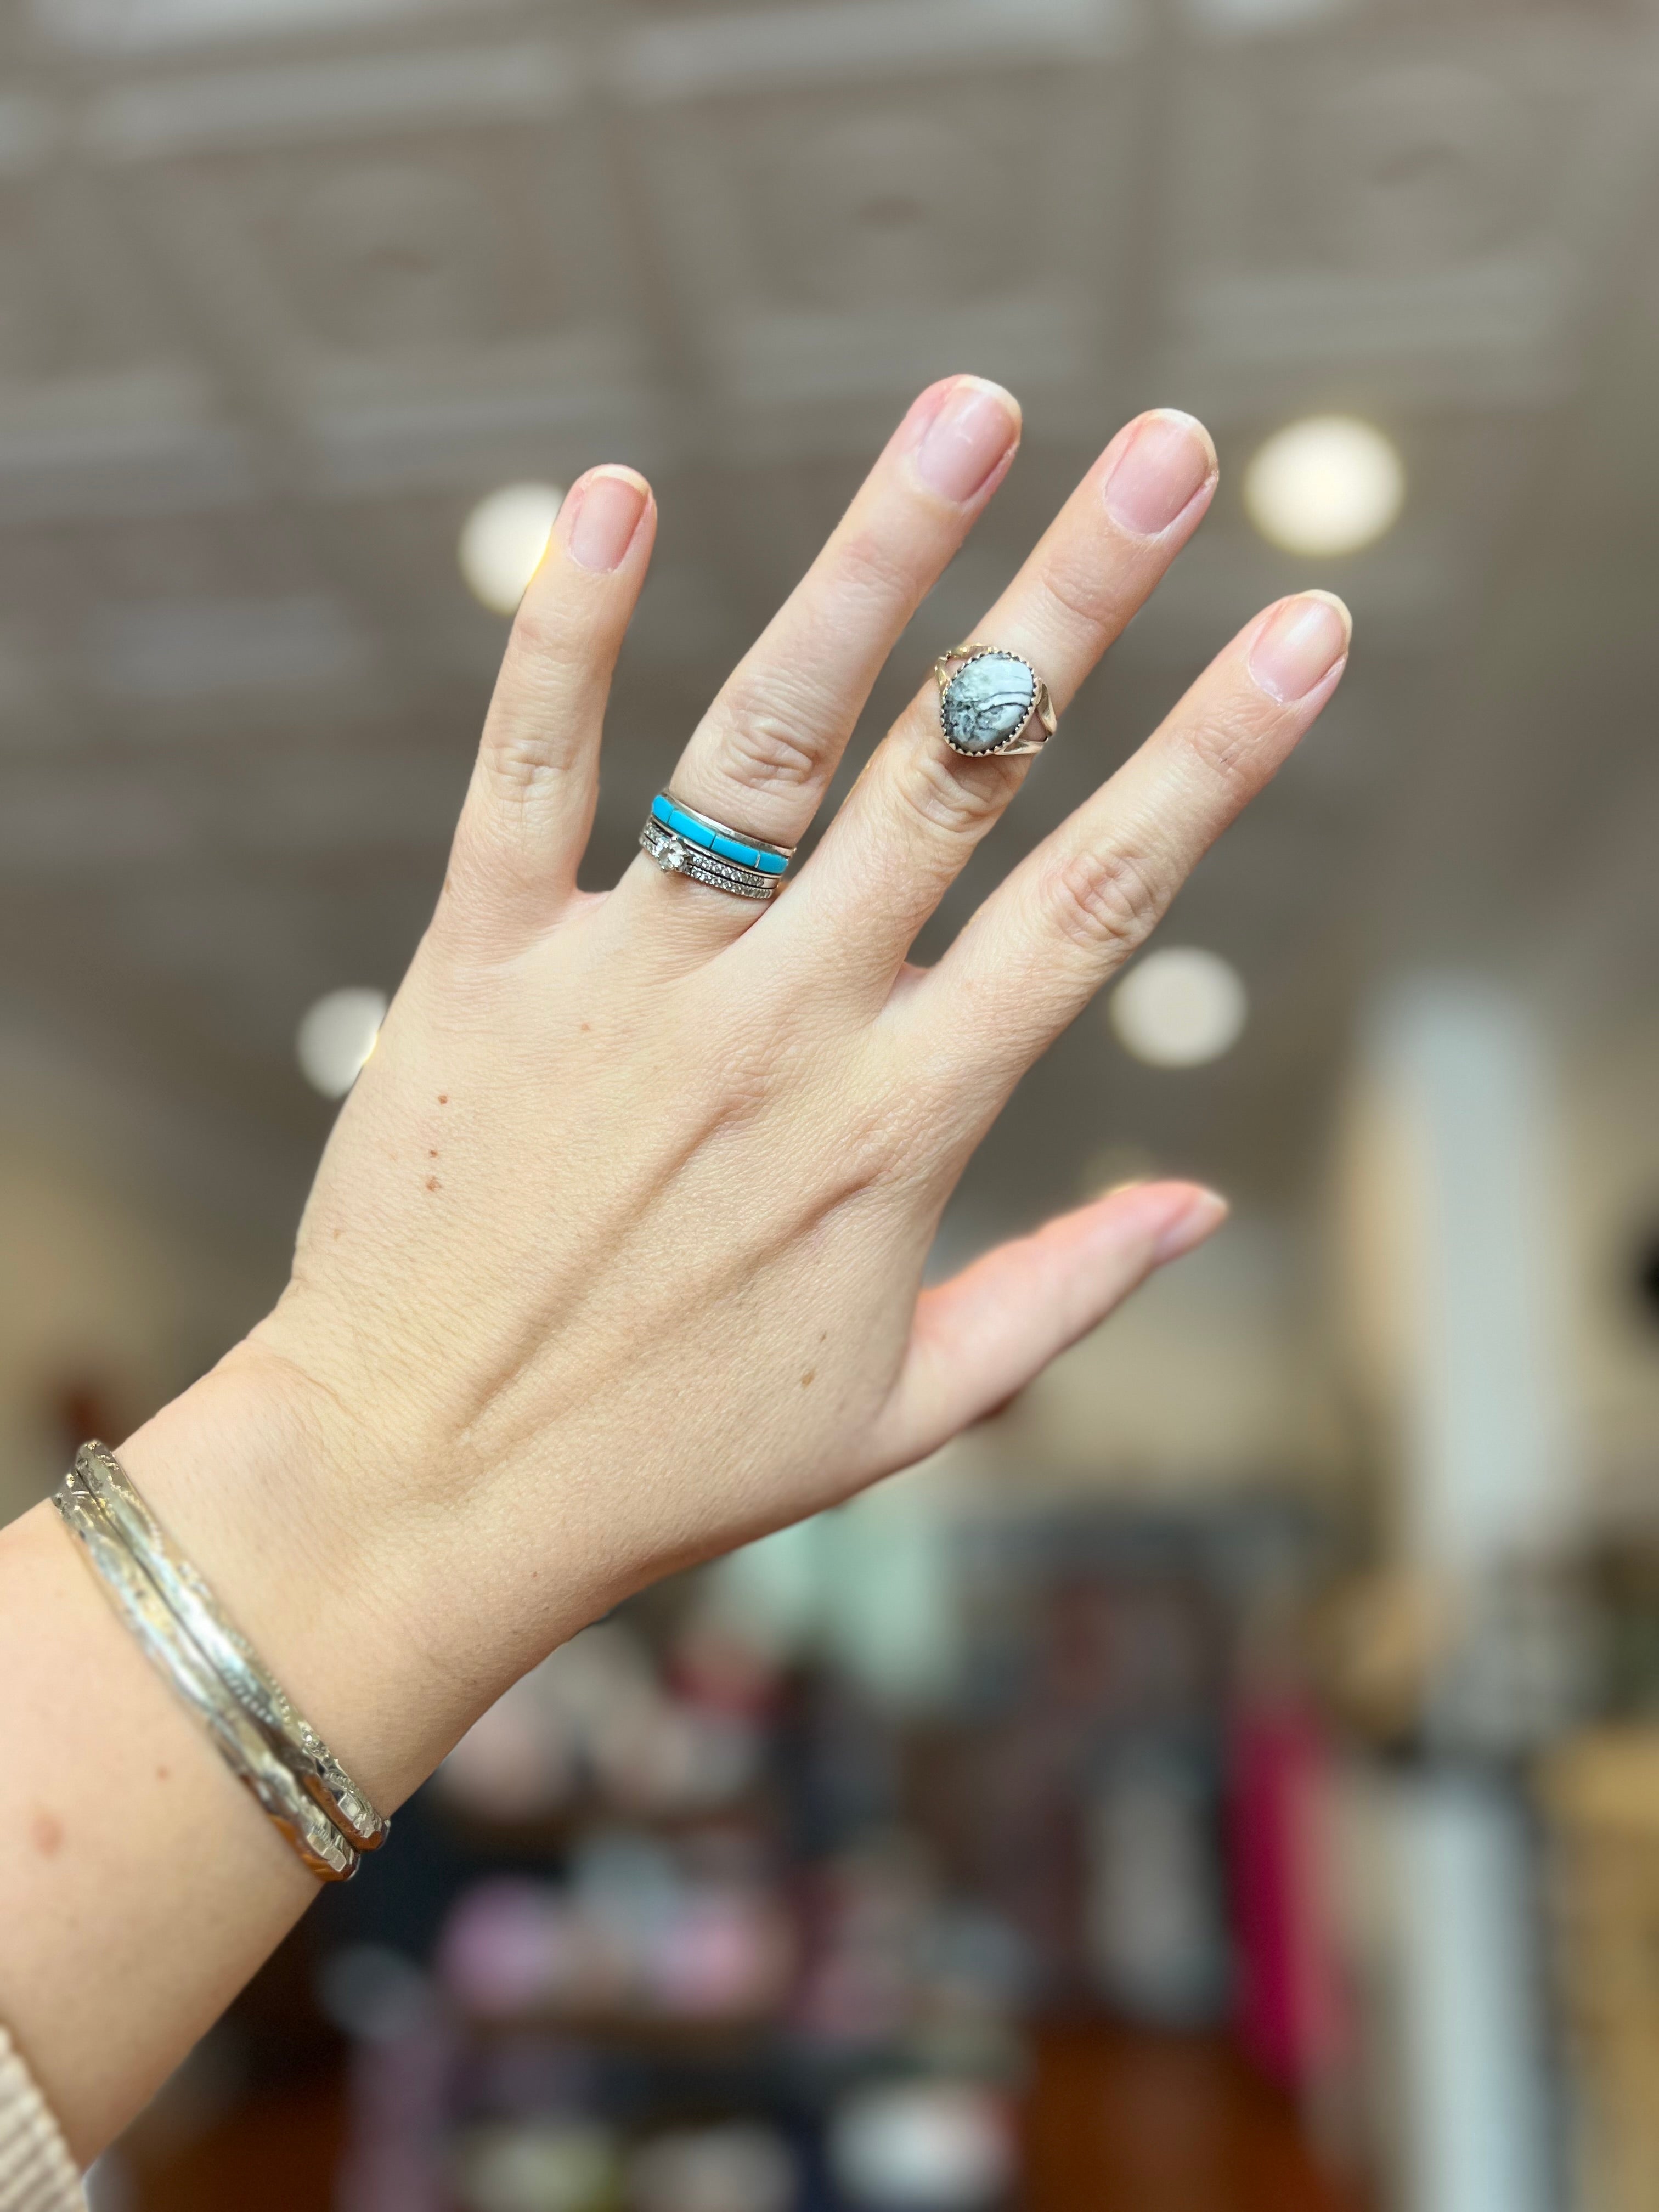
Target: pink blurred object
point(394, 2159)
point(635, 1934)
point(516, 1762)
point(718, 1670)
point(727, 1953)
point(507, 1947)
point(1289, 2003)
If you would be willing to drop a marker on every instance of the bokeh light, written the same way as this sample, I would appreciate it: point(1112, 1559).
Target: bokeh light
point(336, 1036)
point(1179, 1007)
point(503, 539)
point(1329, 484)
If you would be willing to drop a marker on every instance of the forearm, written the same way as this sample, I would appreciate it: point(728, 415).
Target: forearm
point(141, 1884)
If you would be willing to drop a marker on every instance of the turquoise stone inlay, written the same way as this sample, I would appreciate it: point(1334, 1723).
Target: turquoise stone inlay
point(728, 847)
point(987, 701)
point(692, 831)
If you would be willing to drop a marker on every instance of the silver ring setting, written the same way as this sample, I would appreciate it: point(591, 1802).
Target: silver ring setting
point(686, 842)
point(992, 702)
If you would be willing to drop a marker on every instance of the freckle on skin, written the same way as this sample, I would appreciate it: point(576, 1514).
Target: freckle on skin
point(47, 1834)
point(432, 1154)
point(585, 1027)
point(443, 1098)
point(431, 1182)
point(807, 1377)
point(164, 1774)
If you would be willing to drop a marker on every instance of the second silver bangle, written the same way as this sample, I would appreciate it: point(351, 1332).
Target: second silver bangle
point(193, 1604)
point(269, 1746)
point(304, 1824)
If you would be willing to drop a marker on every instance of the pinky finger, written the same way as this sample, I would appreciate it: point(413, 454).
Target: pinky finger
point(979, 1339)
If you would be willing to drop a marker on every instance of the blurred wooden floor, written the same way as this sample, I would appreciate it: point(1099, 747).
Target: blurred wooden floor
point(1125, 2122)
point(1117, 2122)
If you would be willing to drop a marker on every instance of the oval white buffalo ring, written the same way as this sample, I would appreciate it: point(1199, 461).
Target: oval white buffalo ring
point(992, 702)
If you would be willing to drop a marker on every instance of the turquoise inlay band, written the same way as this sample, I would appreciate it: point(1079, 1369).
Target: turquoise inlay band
point(688, 826)
point(696, 830)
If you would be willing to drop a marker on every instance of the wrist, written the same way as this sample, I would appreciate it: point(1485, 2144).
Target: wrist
point(262, 1483)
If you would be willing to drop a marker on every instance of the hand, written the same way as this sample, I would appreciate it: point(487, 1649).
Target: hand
point(614, 1258)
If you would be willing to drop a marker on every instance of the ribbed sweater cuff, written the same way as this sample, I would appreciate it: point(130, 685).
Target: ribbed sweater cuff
point(37, 2173)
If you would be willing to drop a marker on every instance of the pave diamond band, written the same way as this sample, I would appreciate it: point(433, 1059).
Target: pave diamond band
point(683, 841)
point(674, 856)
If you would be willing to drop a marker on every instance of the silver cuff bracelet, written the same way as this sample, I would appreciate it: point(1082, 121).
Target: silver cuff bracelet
point(270, 1748)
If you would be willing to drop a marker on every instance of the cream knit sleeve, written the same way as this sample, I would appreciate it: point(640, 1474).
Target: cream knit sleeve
point(37, 2173)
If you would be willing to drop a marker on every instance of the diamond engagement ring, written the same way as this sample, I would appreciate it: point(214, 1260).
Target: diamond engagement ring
point(992, 702)
point(684, 842)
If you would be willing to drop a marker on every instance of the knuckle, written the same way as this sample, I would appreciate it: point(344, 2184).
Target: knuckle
point(748, 1083)
point(756, 1065)
point(954, 799)
point(888, 1130)
point(1104, 903)
point(522, 766)
point(879, 1155)
point(763, 745)
point(542, 716)
point(1082, 597)
point(1227, 747)
point(547, 636)
point(867, 568)
point(525, 758)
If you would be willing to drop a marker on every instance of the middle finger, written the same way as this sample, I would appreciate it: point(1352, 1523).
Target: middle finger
point(916, 813)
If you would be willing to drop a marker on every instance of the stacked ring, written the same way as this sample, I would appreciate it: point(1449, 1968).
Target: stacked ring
point(687, 844)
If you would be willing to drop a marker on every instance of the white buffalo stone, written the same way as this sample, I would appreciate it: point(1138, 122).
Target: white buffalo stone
point(987, 701)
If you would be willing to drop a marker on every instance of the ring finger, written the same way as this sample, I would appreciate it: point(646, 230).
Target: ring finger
point(762, 758)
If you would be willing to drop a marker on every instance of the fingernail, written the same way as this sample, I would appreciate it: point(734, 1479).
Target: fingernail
point(1299, 644)
point(1200, 1213)
point(1168, 460)
point(608, 508)
point(975, 428)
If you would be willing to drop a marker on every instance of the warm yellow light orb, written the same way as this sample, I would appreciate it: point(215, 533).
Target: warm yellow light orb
point(1329, 484)
point(503, 539)
point(1179, 1007)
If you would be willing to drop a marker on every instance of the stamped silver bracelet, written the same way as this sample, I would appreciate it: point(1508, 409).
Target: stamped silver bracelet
point(277, 1764)
point(194, 1606)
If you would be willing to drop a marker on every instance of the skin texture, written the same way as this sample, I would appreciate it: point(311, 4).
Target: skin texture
point(614, 1258)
